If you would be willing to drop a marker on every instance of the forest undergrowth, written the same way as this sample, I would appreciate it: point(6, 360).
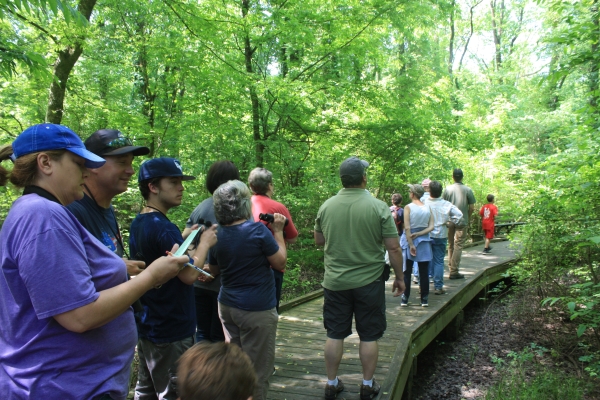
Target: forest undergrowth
point(509, 348)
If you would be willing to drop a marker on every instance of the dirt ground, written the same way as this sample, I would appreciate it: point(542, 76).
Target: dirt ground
point(464, 369)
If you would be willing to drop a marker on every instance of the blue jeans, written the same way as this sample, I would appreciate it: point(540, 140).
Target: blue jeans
point(438, 248)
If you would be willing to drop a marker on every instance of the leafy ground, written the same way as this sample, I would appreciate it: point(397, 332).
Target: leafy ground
point(509, 330)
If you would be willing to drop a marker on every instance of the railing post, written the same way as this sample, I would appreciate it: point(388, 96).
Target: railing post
point(452, 330)
point(412, 376)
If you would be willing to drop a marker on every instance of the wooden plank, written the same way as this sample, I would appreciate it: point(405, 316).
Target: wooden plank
point(300, 366)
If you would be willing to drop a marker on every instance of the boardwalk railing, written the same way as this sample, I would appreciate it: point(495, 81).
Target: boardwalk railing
point(300, 365)
point(404, 361)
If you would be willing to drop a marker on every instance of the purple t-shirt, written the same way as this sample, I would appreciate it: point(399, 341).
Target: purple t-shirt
point(51, 264)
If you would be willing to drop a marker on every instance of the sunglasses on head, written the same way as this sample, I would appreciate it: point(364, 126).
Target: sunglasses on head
point(119, 142)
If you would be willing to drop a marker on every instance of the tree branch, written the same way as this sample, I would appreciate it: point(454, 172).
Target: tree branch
point(191, 31)
point(35, 25)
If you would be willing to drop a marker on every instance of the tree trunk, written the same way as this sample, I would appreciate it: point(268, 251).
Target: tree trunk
point(462, 57)
point(594, 87)
point(497, 21)
point(63, 66)
point(451, 44)
point(248, 54)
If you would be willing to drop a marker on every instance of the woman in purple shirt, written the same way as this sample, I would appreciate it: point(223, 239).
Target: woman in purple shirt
point(67, 328)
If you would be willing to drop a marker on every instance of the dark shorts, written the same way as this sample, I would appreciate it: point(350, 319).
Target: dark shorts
point(366, 303)
point(489, 233)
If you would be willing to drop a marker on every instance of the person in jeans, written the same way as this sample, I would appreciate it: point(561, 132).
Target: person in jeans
point(244, 256)
point(462, 197)
point(416, 244)
point(443, 213)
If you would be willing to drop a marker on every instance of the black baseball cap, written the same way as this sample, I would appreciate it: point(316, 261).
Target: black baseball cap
point(111, 142)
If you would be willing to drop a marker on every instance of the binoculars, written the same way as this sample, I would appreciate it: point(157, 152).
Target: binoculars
point(270, 218)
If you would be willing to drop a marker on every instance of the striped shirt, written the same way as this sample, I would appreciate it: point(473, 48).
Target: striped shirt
point(443, 211)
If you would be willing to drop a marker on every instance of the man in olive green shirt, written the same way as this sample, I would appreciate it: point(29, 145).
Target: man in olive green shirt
point(463, 198)
point(355, 227)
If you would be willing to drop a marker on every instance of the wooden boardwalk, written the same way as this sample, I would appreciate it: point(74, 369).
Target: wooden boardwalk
point(299, 362)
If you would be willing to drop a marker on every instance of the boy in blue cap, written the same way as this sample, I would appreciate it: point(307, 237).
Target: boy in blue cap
point(167, 324)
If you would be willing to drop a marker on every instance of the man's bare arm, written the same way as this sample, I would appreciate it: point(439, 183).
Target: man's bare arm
point(319, 238)
point(393, 248)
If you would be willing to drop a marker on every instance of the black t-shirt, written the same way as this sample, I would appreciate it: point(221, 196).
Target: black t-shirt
point(99, 221)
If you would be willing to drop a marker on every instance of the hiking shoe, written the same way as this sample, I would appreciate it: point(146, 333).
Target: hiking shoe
point(439, 291)
point(332, 391)
point(369, 392)
point(404, 301)
point(456, 276)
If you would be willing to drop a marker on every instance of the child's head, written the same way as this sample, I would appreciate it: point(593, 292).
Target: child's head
point(490, 198)
point(397, 199)
point(215, 371)
point(435, 189)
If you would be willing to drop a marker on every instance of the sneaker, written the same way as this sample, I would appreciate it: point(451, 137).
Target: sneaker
point(456, 276)
point(332, 391)
point(369, 392)
point(439, 291)
point(431, 279)
point(486, 251)
point(415, 279)
point(424, 303)
point(404, 301)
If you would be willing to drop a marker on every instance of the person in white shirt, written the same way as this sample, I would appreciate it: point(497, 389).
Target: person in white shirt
point(444, 213)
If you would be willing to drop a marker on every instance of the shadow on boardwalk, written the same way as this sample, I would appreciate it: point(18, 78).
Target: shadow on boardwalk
point(299, 361)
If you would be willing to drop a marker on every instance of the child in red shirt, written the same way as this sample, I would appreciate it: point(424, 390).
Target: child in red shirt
point(488, 212)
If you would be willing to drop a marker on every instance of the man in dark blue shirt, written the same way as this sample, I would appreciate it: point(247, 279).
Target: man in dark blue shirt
point(95, 211)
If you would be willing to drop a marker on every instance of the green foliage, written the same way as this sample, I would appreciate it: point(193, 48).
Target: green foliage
point(14, 47)
point(524, 377)
point(299, 86)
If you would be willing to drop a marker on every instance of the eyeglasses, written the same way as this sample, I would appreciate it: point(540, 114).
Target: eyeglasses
point(119, 142)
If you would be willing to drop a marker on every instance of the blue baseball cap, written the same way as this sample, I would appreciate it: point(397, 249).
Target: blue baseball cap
point(53, 137)
point(162, 167)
